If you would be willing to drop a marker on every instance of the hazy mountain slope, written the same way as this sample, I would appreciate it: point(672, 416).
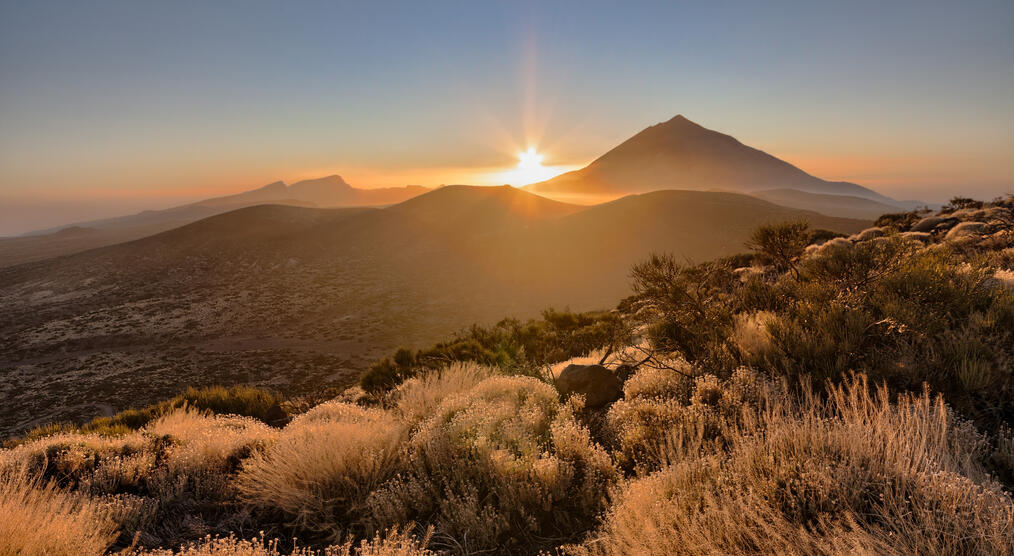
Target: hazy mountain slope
point(296, 298)
point(37, 247)
point(330, 191)
point(680, 154)
point(834, 205)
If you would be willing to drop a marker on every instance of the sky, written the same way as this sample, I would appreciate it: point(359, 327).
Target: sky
point(111, 107)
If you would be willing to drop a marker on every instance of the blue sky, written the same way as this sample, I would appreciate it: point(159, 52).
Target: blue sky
point(109, 106)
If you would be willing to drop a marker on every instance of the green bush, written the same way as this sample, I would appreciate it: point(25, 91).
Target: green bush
point(236, 400)
point(511, 345)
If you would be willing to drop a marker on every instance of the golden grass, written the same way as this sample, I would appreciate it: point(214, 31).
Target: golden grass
point(392, 543)
point(854, 474)
point(38, 518)
point(323, 465)
point(418, 398)
point(503, 466)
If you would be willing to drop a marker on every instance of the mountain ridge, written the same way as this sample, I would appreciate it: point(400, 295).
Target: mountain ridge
point(682, 154)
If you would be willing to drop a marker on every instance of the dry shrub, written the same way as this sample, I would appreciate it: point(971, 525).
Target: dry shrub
point(417, 398)
point(39, 518)
point(68, 458)
point(323, 465)
point(503, 466)
point(1005, 277)
point(183, 451)
point(202, 452)
point(751, 335)
point(854, 474)
point(666, 415)
point(392, 543)
point(660, 383)
point(337, 411)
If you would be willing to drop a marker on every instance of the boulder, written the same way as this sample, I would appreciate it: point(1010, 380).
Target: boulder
point(931, 223)
point(599, 385)
point(276, 416)
point(966, 229)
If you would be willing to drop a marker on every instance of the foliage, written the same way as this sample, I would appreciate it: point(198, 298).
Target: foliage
point(502, 466)
point(780, 244)
point(321, 468)
point(852, 474)
point(511, 345)
point(889, 307)
point(392, 543)
point(233, 400)
point(38, 518)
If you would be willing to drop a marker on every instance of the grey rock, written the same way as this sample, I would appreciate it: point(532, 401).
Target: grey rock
point(599, 385)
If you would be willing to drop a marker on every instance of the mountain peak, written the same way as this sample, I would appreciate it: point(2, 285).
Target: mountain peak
point(681, 154)
point(275, 186)
point(334, 180)
point(680, 124)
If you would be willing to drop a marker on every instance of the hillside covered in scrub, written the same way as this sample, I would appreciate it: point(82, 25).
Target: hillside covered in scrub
point(295, 299)
point(819, 394)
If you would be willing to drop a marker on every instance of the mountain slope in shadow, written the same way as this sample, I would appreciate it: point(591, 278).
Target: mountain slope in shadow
point(297, 298)
point(848, 206)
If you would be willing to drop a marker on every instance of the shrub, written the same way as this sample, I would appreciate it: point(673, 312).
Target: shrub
point(418, 398)
point(197, 456)
point(511, 345)
point(503, 466)
point(853, 474)
point(323, 465)
point(687, 306)
point(235, 400)
point(392, 543)
point(780, 244)
point(38, 518)
point(665, 416)
point(958, 203)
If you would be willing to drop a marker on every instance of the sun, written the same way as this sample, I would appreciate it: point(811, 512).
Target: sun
point(530, 160)
point(529, 169)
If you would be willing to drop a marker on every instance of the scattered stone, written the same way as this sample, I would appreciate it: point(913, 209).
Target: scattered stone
point(868, 234)
point(923, 237)
point(599, 385)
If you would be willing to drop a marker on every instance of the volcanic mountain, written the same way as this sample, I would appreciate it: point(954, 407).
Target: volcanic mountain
point(296, 298)
point(680, 154)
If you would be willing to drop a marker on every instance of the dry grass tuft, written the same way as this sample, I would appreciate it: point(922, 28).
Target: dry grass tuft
point(417, 398)
point(854, 474)
point(503, 466)
point(392, 543)
point(38, 518)
point(323, 465)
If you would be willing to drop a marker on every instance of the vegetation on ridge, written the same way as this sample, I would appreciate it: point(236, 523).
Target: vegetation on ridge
point(821, 395)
